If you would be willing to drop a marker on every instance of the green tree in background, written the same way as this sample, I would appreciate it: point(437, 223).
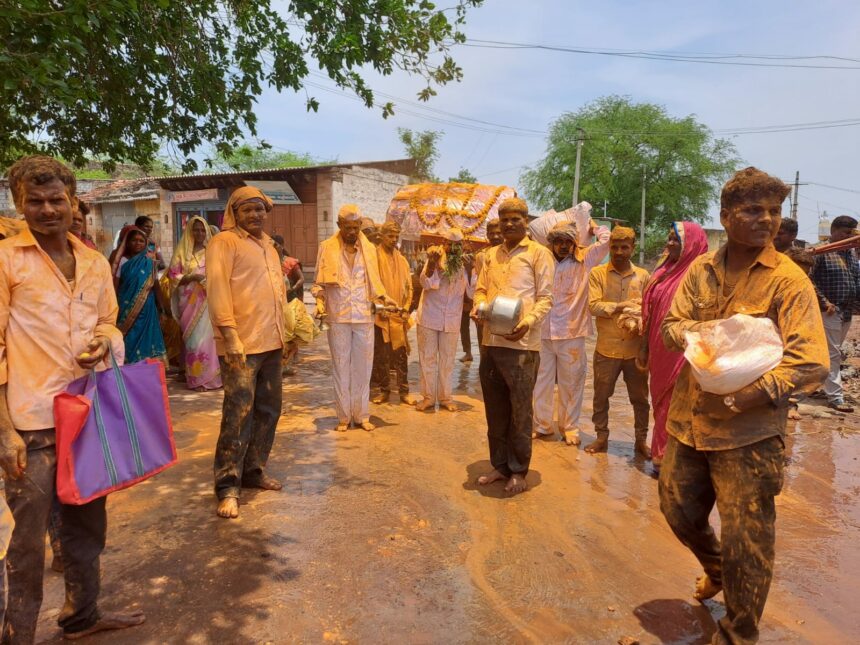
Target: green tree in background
point(247, 156)
point(119, 79)
point(684, 164)
point(465, 177)
point(423, 147)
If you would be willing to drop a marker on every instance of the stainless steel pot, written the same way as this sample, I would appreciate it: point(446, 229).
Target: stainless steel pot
point(502, 314)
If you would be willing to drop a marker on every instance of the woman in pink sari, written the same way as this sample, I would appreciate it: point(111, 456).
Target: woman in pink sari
point(686, 242)
point(187, 275)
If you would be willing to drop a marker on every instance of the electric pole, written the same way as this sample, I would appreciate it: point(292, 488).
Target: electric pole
point(642, 222)
point(794, 199)
point(580, 137)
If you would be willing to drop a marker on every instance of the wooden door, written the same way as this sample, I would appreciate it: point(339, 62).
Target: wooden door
point(297, 223)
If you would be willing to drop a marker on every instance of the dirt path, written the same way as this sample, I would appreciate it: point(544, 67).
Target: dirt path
point(383, 537)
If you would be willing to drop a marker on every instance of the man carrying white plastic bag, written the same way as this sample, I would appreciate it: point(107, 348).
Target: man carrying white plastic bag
point(728, 448)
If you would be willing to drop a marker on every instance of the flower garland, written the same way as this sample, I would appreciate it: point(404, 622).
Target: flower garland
point(450, 214)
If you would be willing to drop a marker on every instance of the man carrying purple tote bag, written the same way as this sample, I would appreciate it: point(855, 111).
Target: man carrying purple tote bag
point(57, 321)
point(113, 431)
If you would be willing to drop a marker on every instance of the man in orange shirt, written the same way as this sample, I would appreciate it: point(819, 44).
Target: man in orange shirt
point(57, 321)
point(245, 288)
point(613, 288)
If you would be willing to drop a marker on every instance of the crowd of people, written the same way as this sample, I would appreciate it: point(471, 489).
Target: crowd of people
point(236, 299)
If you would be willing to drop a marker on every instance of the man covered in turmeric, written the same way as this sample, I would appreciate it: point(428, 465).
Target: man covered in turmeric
point(245, 287)
point(613, 289)
point(729, 450)
point(390, 344)
point(347, 282)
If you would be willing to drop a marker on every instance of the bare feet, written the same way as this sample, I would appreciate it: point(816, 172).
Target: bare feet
point(450, 406)
point(641, 449)
point(466, 358)
point(516, 484)
point(367, 425)
point(490, 477)
point(380, 398)
point(406, 399)
point(342, 427)
point(228, 508)
point(794, 415)
point(265, 482)
point(571, 437)
point(706, 588)
point(601, 444)
point(424, 405)
point(110, 621)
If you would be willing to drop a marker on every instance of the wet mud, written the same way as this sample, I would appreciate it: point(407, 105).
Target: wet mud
point(384, 537)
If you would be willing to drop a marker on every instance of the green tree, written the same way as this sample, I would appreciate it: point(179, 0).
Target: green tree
point(119, 79)
point(465, 177)
point(423, 147)
point(247, 156)
point(683, 163)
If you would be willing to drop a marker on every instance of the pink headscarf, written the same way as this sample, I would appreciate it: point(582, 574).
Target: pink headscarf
point(664, 365)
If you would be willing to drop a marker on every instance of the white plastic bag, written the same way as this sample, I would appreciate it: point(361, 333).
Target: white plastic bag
point(579, 215)
point(728, 355)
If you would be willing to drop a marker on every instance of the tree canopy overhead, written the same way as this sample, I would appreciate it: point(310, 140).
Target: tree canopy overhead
point(116, 79)
point(684, 164)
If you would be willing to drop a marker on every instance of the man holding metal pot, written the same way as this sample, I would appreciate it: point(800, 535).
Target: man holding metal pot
point(518, 274)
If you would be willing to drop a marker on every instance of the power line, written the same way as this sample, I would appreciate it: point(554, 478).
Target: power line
point(847, 190)
point(742, 60)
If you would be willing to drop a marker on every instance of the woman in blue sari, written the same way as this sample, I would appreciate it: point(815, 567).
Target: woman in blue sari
point(139, 295)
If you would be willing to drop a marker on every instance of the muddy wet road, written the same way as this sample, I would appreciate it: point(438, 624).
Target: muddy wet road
point(383, 537)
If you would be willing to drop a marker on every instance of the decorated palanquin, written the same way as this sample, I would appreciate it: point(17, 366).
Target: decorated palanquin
point(430, 209)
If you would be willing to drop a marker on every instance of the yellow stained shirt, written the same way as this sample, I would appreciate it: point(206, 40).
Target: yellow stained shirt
point(773, 287)
point(526, 272)
point(45, 322)
point(245, 290)
point(606, 288)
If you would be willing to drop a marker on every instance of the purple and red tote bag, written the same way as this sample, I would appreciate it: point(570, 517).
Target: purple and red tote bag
point(113, 431)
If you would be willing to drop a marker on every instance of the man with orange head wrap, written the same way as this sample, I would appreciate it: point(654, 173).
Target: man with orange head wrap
point(245, 287)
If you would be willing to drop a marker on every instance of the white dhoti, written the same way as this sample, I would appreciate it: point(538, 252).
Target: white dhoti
point(436, 352)
point(351, 346)
point(563, 361)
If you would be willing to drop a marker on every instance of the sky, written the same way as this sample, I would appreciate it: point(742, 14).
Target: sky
point(530, 88)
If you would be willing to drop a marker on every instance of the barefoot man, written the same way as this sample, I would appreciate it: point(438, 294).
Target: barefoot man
point(518, 268)
point(613, 287)
point(57, 321)
point(562, 351)
point(390, 344)
point(729, 449)
point(245, 287)
point(346, 283)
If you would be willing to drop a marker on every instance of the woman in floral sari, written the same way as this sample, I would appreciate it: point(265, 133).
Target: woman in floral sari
point(139, 296)
point(686, 242)
point(187, 274)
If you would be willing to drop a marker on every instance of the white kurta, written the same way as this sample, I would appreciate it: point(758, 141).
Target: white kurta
point(439, 315)
point(562, 349)
point(350, 340)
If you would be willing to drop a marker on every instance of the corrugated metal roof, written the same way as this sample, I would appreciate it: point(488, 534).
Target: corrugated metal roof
point(264, 171)
point(123, 190)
